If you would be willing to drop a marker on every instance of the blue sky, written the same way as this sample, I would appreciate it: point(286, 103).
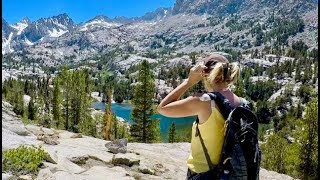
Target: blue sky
point(78, 10)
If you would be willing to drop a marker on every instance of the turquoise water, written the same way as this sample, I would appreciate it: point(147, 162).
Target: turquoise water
point(124, 110)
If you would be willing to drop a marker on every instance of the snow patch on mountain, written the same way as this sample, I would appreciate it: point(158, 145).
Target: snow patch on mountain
point(56, 33)
point(19, 27)
point(26, 40)
point(100, 23)
point(6, 44)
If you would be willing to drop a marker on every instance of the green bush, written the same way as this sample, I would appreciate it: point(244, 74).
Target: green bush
point(23, 160)
point(274, 152)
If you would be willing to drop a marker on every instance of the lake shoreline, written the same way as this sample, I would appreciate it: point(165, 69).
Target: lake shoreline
point(123, 110)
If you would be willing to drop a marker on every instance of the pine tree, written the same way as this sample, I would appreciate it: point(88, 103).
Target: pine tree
point(307, 75)
point(65, 78)
point(5, 89)
point(239, 90)
point(247, 75)
point(122, 131)
point(108, 116)
point(115, 128)
point(77, 87)
point(108, 80)
point(18, 104)
point(192, 56)
point(87, 80)
point(87, 123)
point(309, 151)
point(172, 133)
point(144, 129)
point(26, 87)
point(297, 77)
point(274, 152)
point(46, 119)
point(299, 110)
point(32, 111)
point(80, 116)
point(56, 104)
point(120, 91)
point(315, 73)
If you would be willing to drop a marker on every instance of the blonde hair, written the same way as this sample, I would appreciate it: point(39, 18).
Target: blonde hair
point(222, 72)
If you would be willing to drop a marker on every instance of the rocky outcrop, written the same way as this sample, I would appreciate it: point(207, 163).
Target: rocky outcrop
point(14, 133)
point(129, 159)
point(88, 158)
point(117, 146)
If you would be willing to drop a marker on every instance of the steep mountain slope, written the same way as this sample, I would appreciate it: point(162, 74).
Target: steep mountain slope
point(190, 25)
point(226, 7)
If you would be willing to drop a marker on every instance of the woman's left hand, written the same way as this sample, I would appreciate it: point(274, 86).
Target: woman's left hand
point(196, 74)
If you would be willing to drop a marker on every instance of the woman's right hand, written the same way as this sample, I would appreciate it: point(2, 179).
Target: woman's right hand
point(196, 74)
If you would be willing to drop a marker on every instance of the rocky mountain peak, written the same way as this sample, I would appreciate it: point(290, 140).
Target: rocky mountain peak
point(54, 26)
point(26, 20)
point(157, 14)
point(20, 26)
point(99, 22)
point(100, 18)
point(62, 19)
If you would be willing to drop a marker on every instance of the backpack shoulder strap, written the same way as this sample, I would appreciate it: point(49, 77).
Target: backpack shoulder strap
point(222, 103)
point(205, 150)
point(205, 97)
point(224, 108)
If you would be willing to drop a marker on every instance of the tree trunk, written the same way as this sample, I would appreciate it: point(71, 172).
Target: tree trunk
point(108, 116)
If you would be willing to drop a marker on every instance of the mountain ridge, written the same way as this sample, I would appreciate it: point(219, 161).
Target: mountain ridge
point(121, 29)
point(175, 9)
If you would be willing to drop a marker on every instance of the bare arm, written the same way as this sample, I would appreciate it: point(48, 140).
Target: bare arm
point(176, 93)
point(173, 107)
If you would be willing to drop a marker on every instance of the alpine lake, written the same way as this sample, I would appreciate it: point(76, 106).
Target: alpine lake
point(124, 111)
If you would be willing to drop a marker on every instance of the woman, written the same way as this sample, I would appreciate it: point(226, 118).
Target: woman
point(217, 74)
